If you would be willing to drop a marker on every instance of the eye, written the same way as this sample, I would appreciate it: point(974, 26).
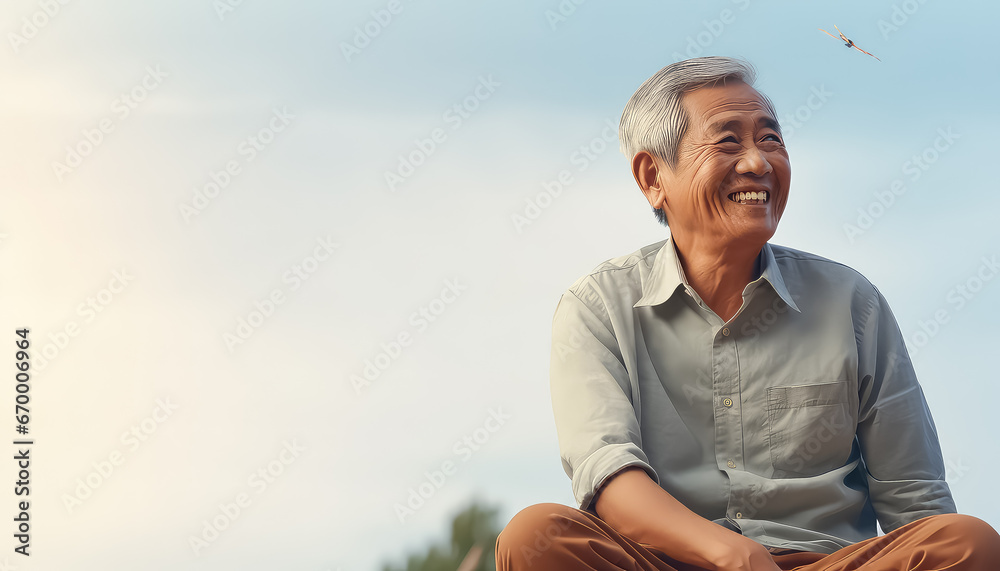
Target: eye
point(729, 139)
point(773, 137)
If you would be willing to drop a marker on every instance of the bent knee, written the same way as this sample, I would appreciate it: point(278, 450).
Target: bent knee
point(961, 524)
point(971, 526)
point(968, 530)
point(540, 522)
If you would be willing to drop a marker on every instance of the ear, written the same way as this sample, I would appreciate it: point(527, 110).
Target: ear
point(646, 170)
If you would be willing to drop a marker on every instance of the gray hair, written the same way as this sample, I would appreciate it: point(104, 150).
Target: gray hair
point(654, 120)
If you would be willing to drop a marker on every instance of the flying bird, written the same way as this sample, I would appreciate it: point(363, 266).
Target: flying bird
point(847, 42)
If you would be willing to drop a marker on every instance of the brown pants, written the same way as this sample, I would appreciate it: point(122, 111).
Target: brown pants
point(553, 537)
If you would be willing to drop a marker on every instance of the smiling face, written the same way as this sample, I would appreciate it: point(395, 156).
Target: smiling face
point(731, 180)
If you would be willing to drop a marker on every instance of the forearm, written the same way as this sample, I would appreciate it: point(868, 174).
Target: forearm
point(637, 507)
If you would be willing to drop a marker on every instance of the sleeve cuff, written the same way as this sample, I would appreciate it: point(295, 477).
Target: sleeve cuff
point(604, 463)
point(900, 502)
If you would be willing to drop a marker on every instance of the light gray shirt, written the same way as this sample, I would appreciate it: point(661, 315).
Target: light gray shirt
point(798, 422)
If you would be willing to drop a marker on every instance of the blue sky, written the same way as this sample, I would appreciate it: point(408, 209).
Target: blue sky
point(227, 83)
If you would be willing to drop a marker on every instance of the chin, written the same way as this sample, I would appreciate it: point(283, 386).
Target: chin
point(756, 233)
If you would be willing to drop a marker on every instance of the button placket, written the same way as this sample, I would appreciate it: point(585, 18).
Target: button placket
point(728, 426)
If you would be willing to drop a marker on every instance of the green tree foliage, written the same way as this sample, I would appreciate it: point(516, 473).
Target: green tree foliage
point(474, 526)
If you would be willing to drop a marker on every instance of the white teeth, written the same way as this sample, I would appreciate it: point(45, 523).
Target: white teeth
point(742, 197)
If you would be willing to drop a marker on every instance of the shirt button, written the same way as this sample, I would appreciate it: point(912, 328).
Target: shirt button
point(739, 515)
point(731, 463)
point(725, 331)
point(727, 402)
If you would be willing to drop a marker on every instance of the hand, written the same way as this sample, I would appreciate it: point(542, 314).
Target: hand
point(738, 553)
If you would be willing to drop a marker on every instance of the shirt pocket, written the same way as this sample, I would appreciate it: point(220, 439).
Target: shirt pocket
point(810, 428)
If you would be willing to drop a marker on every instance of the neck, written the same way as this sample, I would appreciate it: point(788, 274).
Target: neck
point(719, 272)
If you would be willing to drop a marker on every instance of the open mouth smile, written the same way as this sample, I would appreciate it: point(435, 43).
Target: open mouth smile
point(752, 198)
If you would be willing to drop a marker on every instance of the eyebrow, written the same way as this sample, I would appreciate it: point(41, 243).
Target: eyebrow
point(767, 121)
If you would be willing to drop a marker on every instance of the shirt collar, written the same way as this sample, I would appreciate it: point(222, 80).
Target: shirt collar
point(772, 274)
point(667, 277)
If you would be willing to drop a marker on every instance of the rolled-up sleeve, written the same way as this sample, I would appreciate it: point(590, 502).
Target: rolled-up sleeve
point(591, 398)
point(899, 443)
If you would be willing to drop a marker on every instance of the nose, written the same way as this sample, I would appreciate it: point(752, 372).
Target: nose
point(753, 162)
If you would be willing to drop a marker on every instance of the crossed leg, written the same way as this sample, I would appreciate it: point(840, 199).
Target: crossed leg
point(556, 537)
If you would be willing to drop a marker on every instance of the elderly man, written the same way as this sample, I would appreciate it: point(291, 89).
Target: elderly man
point(725, 403)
